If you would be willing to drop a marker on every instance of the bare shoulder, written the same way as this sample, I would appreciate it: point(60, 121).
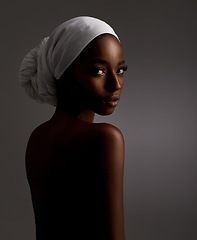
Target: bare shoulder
point(107, 131)
point(110, 143)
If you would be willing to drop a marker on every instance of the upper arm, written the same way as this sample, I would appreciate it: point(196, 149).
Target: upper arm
point(112, 161)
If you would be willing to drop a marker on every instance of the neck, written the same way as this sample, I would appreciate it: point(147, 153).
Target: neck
point(85, 115)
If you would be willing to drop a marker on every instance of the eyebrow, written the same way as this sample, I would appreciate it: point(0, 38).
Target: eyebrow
point(105, 62)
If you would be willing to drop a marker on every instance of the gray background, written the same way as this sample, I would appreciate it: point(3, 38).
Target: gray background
point(157, 113)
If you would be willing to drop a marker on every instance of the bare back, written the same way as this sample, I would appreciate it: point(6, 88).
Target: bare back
point(75, 172)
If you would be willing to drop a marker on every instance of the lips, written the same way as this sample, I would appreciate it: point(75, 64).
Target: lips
point(112, 101)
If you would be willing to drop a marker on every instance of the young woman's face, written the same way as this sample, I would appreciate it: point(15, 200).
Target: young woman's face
point(99, 73)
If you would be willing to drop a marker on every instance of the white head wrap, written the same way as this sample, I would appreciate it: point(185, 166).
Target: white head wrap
point(48, 61)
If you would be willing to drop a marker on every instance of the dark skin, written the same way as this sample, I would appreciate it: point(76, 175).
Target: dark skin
point(74, 166)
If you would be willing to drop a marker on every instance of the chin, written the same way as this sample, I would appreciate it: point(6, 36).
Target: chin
point(105, 112)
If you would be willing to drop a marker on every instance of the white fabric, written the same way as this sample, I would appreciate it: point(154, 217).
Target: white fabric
point(48, 61)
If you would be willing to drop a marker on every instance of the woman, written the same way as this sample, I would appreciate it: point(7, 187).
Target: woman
point(74, 166)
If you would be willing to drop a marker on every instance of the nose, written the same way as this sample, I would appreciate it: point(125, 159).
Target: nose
point(113, 83)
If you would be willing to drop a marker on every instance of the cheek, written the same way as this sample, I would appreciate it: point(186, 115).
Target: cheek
point(96, 87)
point(121, 81)
point(92, 86)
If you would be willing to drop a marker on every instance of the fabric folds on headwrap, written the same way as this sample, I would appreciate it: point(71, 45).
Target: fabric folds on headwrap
point(46, 63)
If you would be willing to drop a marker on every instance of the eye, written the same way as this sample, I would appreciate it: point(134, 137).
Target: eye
point(100, 71)
point(121, 70)
point(97, 71)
